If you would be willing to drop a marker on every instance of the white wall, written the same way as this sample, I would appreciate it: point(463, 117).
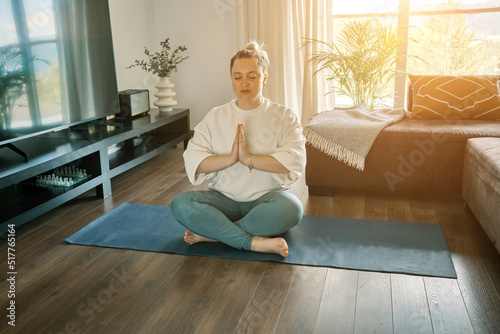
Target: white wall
point(132, 29)
point(206, 28)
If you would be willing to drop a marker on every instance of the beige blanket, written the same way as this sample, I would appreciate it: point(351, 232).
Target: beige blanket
point(347, 134)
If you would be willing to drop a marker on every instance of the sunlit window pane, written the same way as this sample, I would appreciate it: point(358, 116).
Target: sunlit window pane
point(8, 34)
point(48, 83)
point(363, 7)
point(20, 113)
point(13, 102)
point(420, 5)
point(40, 19)
point(456, 44)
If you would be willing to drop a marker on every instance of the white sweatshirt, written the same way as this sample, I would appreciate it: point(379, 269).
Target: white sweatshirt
point(270, 129)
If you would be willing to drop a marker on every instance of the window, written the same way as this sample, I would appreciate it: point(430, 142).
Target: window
point(29, 49)
point(454, 37)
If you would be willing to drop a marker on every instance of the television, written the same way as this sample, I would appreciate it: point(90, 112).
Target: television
point(57, 67)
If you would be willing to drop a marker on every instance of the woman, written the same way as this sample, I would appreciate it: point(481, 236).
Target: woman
point(252, 149)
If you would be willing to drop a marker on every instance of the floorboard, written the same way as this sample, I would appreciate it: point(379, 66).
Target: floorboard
point(300, 310)
point(409, 304)
point(480, 297)
point(232, 295)
point(338, 304)
point(373, 303)
point(131, 297)
point(446, 305)
point(264, 307)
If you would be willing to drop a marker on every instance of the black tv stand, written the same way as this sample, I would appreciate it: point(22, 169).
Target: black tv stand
point(17, 150)
point(83, 127)
point(22, 200)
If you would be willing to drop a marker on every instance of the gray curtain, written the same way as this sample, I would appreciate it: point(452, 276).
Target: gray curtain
point(85, 58)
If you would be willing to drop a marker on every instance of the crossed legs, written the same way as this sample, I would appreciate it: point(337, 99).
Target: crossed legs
point(211, 216)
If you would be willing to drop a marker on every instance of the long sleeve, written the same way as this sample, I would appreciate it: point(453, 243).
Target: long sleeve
point(199, 148)
point(291, 151)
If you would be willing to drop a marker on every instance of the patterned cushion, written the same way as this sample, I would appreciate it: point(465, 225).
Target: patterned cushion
point(453, 97)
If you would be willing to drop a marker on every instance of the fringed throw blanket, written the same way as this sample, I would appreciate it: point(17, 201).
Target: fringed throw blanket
point(347, 134)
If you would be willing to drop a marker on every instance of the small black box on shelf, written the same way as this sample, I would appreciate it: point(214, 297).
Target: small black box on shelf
point(133, 102)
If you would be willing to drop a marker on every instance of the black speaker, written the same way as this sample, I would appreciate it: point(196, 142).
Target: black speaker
point(133, 102)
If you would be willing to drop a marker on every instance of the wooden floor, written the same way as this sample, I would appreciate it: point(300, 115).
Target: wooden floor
point(63, 288)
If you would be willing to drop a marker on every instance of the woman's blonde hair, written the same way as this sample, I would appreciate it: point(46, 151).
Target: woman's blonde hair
point(253, 50)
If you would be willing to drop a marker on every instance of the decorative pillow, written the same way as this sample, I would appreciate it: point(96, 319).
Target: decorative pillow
point(453, 97)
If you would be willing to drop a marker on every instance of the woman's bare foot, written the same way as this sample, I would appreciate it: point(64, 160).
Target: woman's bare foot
point(270, 245)
point(193, 238)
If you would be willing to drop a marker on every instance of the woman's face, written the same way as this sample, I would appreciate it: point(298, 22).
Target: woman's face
point(248, 80)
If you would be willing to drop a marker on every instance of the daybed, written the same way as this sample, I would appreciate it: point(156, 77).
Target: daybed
point(481, 184)
point(425, 150)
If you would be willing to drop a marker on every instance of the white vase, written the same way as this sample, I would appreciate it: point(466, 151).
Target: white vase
point(165, 95)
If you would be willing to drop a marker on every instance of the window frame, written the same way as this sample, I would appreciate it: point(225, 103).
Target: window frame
point(403, 14)
point(26, 45)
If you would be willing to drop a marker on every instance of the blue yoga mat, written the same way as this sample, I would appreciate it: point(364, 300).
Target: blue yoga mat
point(374, 245)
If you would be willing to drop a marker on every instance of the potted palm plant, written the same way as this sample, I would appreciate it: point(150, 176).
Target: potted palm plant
point(361, 62)
point(13, 80)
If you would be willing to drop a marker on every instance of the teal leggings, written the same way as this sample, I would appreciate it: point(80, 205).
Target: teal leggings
point(215, 216)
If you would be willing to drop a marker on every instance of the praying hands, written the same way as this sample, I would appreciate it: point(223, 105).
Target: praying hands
point(241, 153)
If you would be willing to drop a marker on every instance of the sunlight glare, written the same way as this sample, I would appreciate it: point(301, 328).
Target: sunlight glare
point(391, 6)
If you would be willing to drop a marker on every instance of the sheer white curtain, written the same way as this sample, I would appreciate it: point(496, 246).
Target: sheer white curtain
point(283, 25)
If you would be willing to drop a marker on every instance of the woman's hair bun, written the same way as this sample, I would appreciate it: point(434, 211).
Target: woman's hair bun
point(253, 46)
